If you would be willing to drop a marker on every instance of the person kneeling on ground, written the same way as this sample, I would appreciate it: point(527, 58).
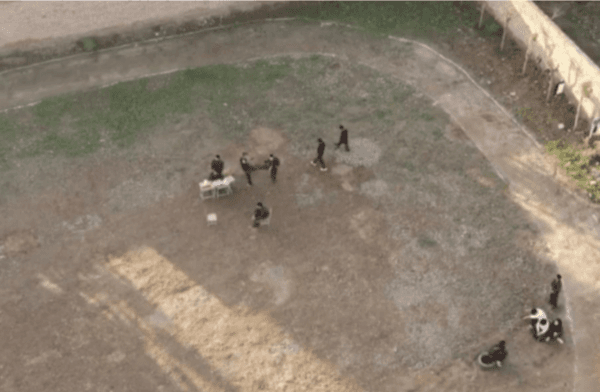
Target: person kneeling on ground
point(498, 353)
point(261, 213)
point(555, 332)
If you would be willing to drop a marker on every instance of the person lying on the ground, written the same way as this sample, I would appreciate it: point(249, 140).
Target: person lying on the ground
point(555, 332)
point(261, 213)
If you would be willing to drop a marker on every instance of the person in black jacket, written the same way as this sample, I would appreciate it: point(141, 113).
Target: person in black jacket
point(246, 167)
point(343, 138)
point(261, 213)
point(555, 332)
point(217, 167)
point(556, 287)
point(274, 164)
point(319, 158)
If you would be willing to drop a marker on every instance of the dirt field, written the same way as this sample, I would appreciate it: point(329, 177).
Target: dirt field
point(389, 272)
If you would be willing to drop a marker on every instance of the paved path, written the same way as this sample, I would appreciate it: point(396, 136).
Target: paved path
point(568, 224)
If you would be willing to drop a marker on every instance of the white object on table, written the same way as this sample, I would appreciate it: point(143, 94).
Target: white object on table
point(206, 190)
point(223, 187)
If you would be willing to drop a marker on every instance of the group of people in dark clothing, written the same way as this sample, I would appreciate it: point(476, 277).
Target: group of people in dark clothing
point(217, 165)
point(541, 329)
point(262, 213)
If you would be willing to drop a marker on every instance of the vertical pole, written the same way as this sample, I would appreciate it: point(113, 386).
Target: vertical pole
point(586, 90)
point(550, 83)
point(578, 110)
point(526, 55)
point(481, 16)
point(504, 33)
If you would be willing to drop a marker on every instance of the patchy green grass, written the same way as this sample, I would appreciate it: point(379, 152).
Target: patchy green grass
point(426, 242)
point(576, 165)
point(8, 134)
point(491, 27)
point(437, 133)
point(132, 110)
point(125, 111)
point(89, 44)
point(403, 18)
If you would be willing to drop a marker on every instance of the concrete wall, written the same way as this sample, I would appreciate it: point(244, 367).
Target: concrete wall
point(553, 47)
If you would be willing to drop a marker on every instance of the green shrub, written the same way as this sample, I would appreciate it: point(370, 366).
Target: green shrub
point(576, 165)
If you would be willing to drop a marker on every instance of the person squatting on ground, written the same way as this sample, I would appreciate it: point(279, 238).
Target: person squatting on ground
point(496, 354)
point(556, 288)
point(555, 332)
point(246, 167)
point(274, 164)
point(261, 213)
point(343, 138)
point(217, 169)
point(319, 158)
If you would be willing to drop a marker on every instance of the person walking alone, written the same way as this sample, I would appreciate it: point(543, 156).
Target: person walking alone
point(343, 139)
point(246, 167)
point(556, 288)
point(319, 158)
point(274, 165)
